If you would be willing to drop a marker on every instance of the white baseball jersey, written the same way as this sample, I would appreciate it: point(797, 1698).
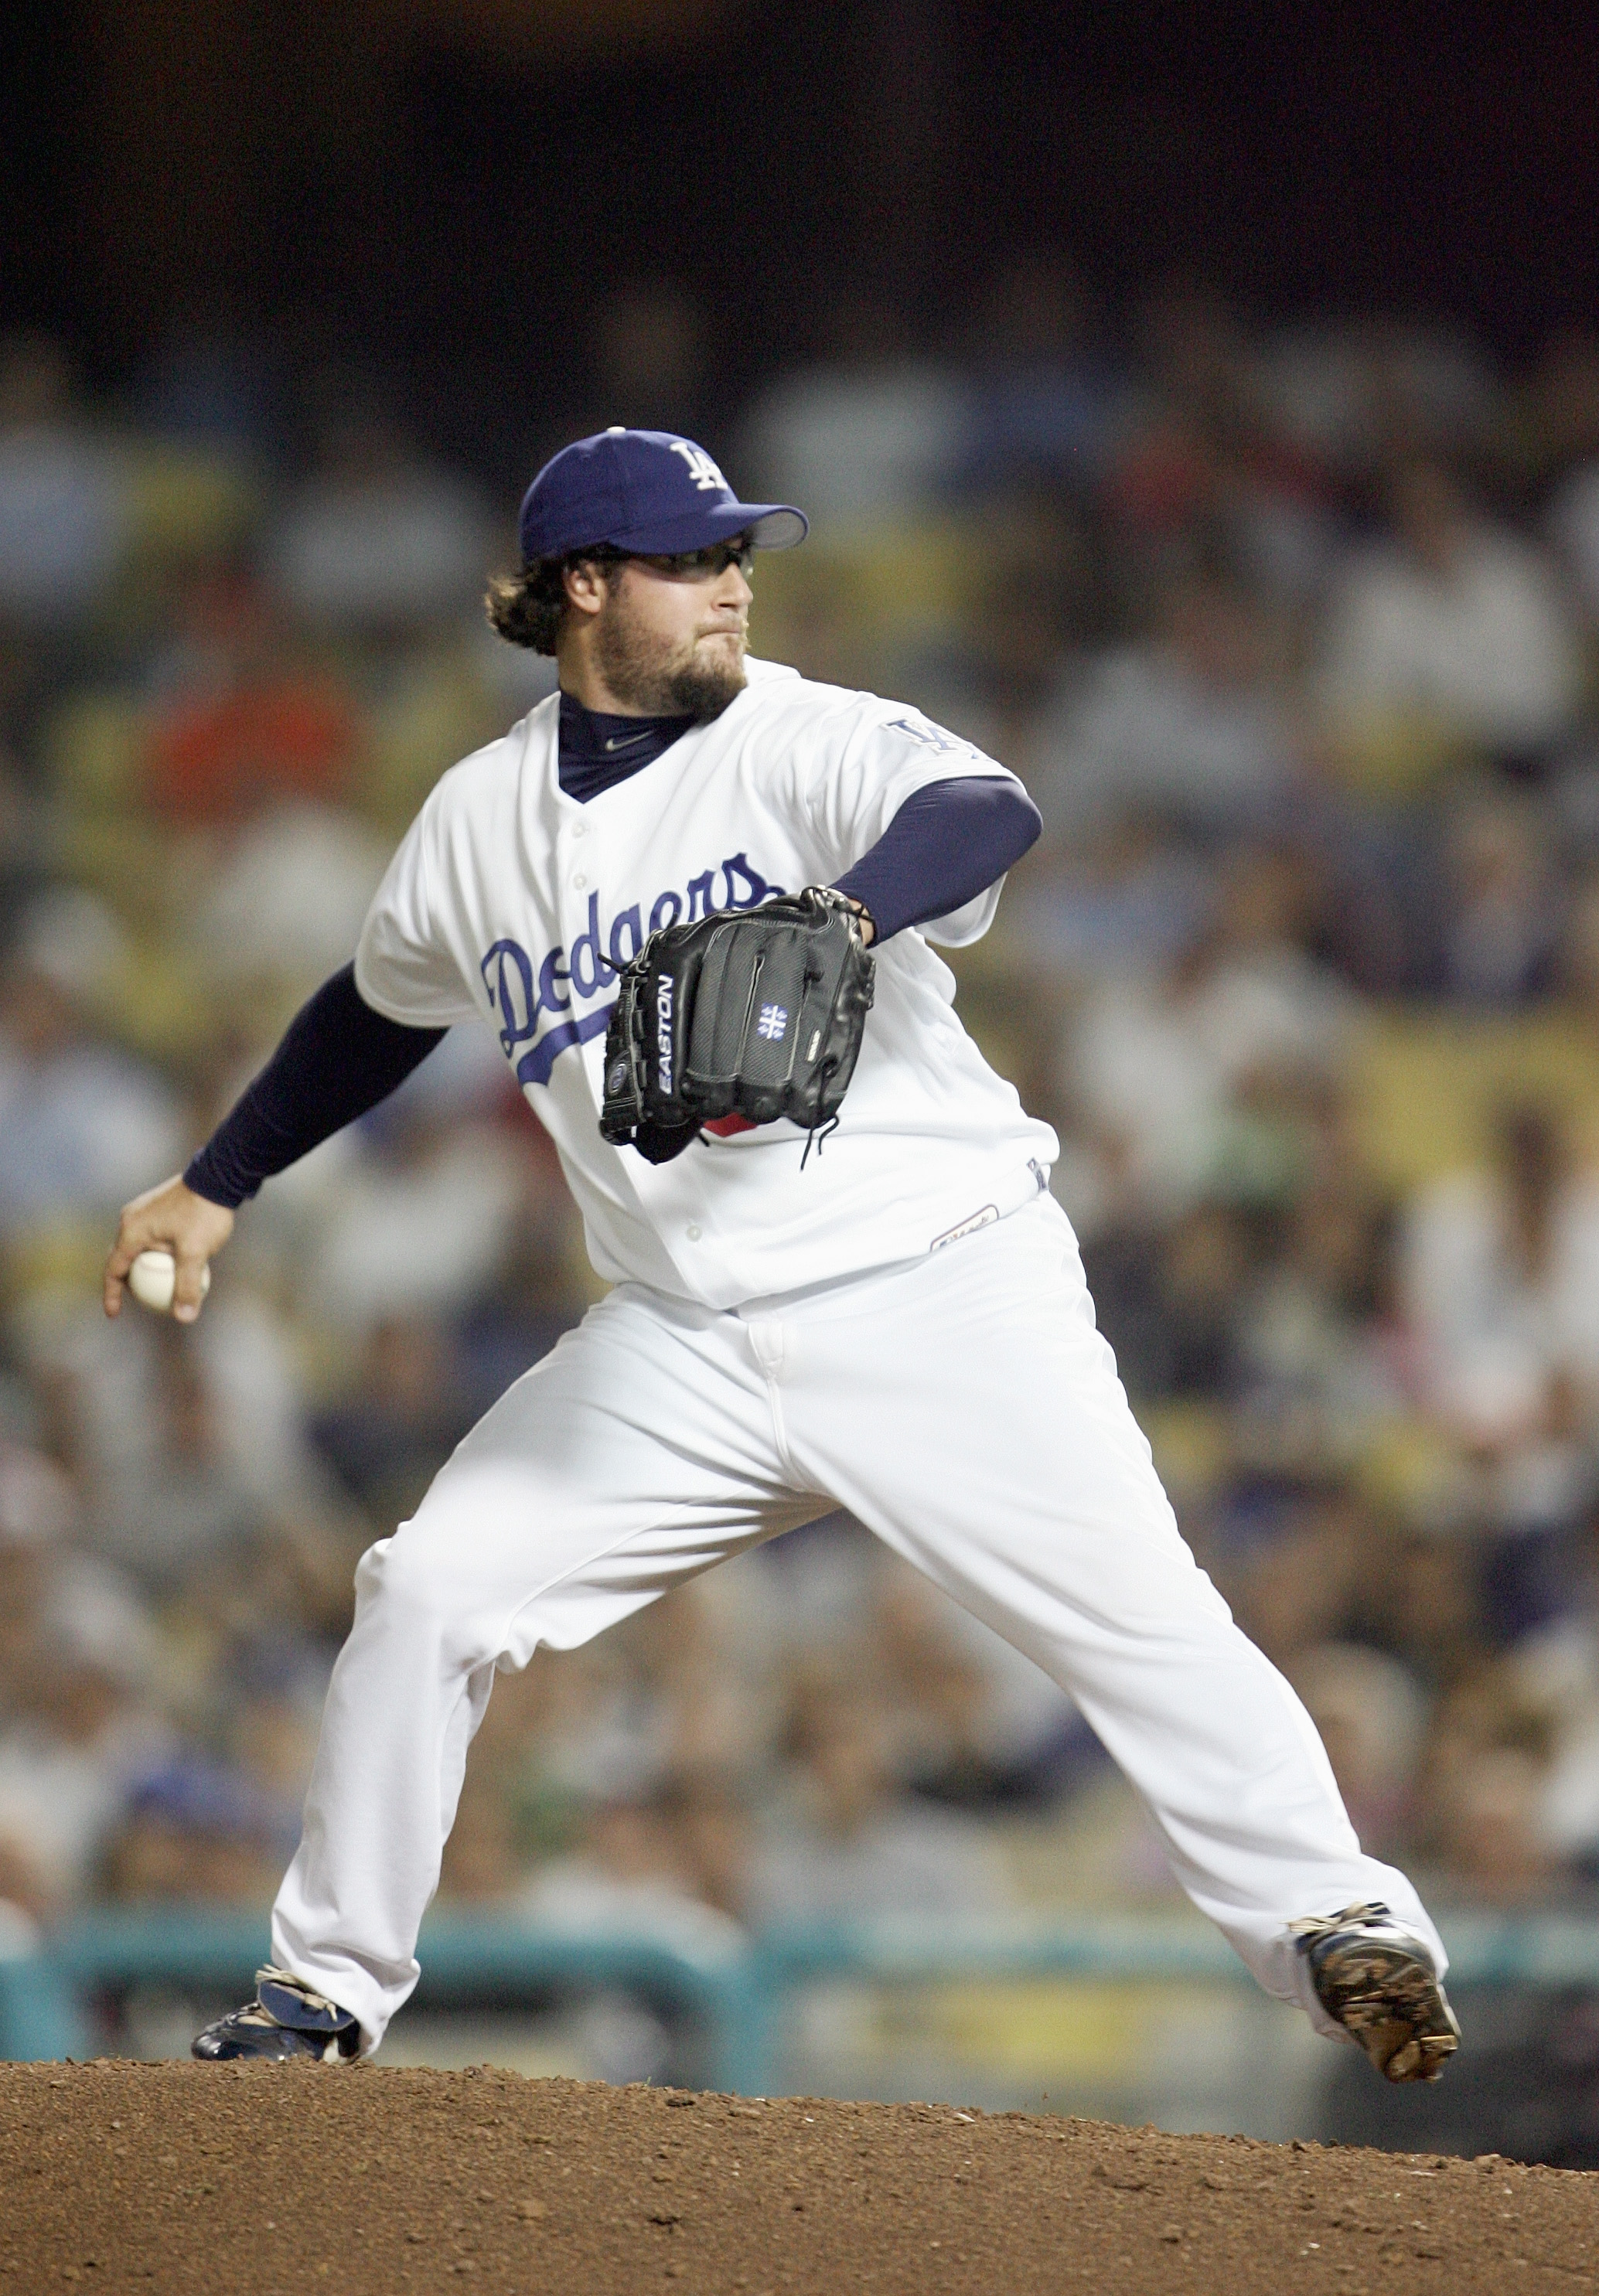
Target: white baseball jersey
point(512, 902)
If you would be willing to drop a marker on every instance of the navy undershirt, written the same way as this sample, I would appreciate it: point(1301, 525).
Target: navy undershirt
point(339, 1058)
point(945, 845)
point(597, 751)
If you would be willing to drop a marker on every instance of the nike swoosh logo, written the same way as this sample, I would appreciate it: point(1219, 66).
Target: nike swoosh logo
point(625, 742)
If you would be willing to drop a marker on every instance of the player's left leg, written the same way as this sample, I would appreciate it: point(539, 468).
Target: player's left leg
point(967, 1410)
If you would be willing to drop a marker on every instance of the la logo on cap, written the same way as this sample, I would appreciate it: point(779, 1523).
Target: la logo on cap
point(701, 469)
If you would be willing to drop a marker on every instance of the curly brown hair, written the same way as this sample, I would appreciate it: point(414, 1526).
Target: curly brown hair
point(525, 609)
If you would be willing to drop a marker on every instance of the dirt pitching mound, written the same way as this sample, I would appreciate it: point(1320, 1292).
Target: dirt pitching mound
point(287, 2177)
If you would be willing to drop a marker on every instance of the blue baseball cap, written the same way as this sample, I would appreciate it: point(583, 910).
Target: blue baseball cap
point(644, 491)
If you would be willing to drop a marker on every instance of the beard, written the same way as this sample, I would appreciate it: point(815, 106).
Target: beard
point(694, 677)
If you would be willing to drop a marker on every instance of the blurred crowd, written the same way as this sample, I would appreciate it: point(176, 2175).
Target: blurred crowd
point(1291, 632)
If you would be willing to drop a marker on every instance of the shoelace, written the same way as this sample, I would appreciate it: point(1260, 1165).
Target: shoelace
point(317, 2003)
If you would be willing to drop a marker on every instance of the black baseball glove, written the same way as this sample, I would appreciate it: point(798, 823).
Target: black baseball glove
point(752, 1013)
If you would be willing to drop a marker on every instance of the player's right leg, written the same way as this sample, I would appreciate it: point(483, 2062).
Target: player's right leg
point(637, 1454)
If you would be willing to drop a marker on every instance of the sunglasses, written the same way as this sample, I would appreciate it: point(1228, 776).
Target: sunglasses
point(705, 565)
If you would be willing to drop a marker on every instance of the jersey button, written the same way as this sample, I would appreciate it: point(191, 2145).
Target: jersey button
point(579, 881)
point(579, 829)
point(694, 1232)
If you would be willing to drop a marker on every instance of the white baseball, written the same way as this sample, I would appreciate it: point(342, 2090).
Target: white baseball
point(153, 1280)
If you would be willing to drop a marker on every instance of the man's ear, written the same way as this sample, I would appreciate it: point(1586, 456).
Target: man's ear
point(586, 586)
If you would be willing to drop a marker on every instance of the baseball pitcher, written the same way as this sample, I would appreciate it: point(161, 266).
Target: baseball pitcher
point(698, 900)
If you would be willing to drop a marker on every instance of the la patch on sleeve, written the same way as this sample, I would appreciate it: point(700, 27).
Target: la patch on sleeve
point(926, 735)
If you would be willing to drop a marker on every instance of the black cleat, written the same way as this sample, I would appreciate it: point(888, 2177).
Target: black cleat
point(286, 2019)
point(1376, 1979)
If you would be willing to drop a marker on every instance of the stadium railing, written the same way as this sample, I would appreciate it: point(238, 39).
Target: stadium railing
point(737, 1992)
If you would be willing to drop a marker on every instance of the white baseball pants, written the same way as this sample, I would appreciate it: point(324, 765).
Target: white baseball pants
point(966, 1409)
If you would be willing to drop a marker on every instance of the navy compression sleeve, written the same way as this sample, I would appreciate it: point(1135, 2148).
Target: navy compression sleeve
point(946, 844)
point(338, 1059)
